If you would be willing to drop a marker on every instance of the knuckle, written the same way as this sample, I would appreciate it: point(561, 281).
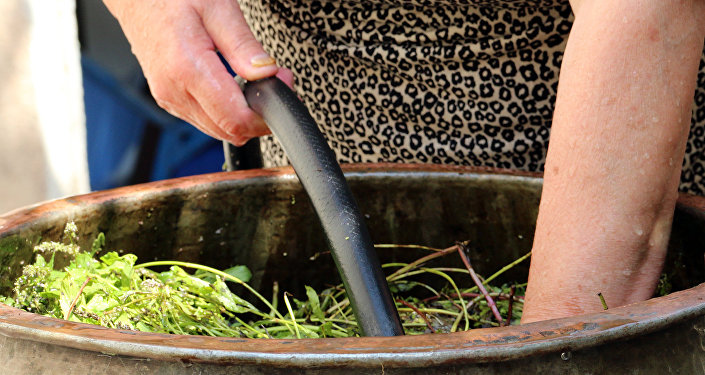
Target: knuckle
point(179, 75)
point(229, 126)
point(238, 141)
point(168, 106)
point(243, 44)
point(169, 91)
point(163, 97)
point(203, 6)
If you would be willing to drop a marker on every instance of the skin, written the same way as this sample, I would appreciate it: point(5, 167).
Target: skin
point(617, 142)
point(176, 43)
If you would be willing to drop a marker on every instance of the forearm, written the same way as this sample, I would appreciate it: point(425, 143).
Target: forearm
point(613, 166)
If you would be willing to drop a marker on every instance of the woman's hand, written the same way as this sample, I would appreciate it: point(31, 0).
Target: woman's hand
point(176, 41)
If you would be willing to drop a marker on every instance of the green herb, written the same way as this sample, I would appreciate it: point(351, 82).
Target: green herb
point(113, 291)
point(602, 300)
point(664, 285)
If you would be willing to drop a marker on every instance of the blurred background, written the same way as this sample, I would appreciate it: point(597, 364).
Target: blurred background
point(75, 110)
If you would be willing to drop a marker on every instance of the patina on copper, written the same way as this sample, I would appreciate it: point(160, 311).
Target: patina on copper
point(248, 217)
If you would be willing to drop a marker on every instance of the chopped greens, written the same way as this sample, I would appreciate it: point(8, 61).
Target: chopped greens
point(114, 291)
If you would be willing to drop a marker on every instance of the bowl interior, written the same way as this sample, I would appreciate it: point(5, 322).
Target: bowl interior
point(266, 222)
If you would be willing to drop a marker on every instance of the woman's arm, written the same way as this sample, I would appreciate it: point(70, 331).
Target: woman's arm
point(617, 142)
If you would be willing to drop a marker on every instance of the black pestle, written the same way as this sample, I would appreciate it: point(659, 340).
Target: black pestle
point(343, 224)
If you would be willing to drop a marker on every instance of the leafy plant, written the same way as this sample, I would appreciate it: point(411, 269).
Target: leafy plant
point(114, 291)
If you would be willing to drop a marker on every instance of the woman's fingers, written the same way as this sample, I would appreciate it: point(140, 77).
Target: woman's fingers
point(176, 42)
point(219, 95)
point(234, 39)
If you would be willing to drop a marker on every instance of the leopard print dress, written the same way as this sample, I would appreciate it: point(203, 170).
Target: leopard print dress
point(466, 82)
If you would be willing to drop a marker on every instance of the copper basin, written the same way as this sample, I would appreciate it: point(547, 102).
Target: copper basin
point(263, 219)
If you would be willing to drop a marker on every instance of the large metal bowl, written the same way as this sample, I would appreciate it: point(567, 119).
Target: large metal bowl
point(263, 219)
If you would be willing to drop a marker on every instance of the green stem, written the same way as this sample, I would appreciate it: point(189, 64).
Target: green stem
point(291, 313)
point(452, 283)
point(503, 270)
point(397, 246)
point(83, 286)
point(429, 310)
point(437, 254)
point(211, 270)
point(255, 330)
point(602, 299)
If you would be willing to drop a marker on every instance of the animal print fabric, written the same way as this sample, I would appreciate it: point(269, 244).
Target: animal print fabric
point(465, 82)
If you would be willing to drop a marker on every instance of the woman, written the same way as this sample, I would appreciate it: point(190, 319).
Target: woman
point(471, 82)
